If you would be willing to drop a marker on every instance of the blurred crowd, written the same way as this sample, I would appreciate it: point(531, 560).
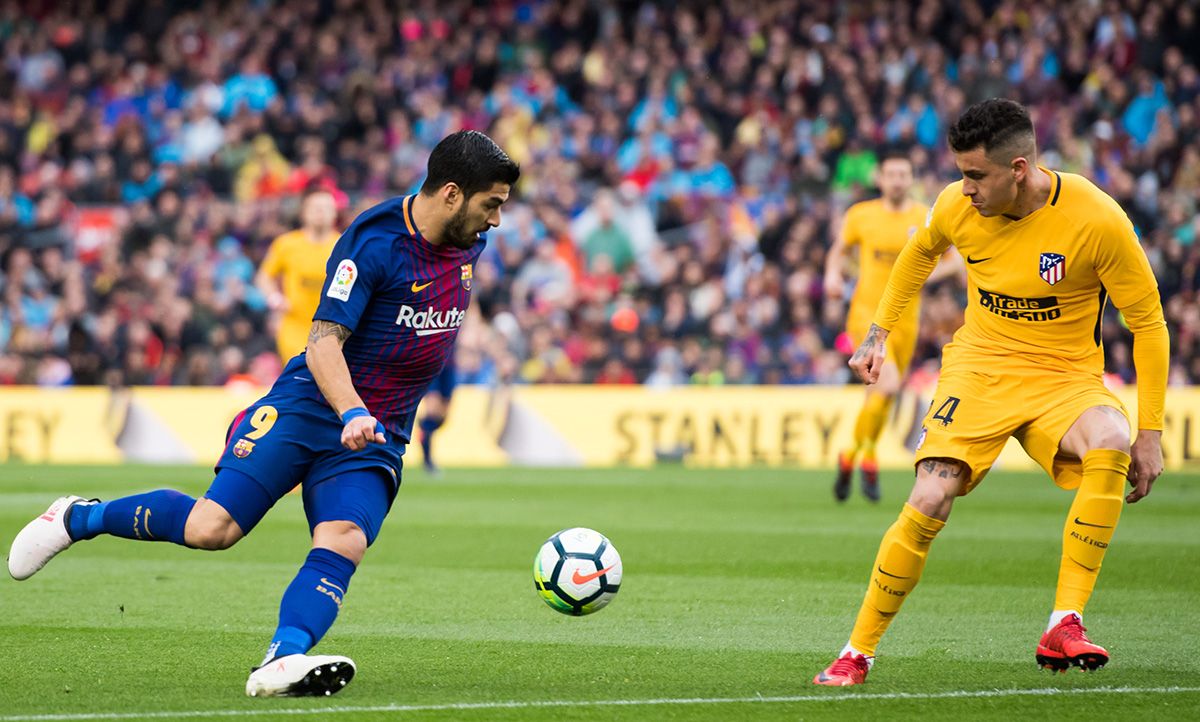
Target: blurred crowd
point(684, 167)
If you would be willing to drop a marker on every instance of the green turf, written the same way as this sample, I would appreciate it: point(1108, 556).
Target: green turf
point(738, 585)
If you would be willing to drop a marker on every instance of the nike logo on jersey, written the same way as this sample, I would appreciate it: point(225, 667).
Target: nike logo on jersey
point(418, 287)
point(578, 578)
point(1098, 526)
point(889, 574)
point(973, 261)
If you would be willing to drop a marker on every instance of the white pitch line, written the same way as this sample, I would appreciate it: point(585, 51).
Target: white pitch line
point(467, 706)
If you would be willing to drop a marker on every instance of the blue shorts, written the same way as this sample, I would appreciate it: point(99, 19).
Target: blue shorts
point(282, 441)
point(446, 381)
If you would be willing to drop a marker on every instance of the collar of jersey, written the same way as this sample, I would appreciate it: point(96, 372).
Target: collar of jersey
point(409, 221)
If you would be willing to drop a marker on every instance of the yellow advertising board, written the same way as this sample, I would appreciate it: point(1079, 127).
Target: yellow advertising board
point(795, 426)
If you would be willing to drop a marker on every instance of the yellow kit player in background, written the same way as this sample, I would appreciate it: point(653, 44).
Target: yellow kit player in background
point(879, 228)
point(1044, 252)
point(293, 271)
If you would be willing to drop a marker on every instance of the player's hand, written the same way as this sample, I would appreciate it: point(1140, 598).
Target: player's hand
point(1146, 463)
point(835, 286)
point(867, 361)
point(361, 429)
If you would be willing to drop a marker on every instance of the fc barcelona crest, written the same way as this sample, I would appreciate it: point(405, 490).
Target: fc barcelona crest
point(243, 448)
point(1052, 267)
point(467, 274)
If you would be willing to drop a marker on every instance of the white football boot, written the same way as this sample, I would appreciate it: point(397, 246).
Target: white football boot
point(300, 675)
point(41, 539)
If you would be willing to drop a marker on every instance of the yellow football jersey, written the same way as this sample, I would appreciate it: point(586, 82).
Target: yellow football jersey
point(1037, 286)
point(880, 234)
point(299, 264)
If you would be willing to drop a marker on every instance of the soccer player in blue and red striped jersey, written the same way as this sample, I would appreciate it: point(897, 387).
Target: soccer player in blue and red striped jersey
point(337, 419)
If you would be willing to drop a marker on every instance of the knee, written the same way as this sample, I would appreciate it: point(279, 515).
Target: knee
point(932, 501)
point(342, 537)
point(211, 529)
point(213, 536)
point(1110, 438)
point(939, 482)
point(1101, 427)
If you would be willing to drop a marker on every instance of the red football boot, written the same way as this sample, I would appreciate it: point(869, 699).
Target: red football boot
point(1066, 644)
point(870, 479)
point(841, 485)
point(848, 669)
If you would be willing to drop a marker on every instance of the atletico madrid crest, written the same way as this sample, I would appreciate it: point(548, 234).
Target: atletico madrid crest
point(467, 275)
point(243, 448)
point(1052, 267)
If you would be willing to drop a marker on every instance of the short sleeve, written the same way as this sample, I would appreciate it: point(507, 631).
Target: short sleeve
point(356, 269)
point(851, 233)
point(273, 263)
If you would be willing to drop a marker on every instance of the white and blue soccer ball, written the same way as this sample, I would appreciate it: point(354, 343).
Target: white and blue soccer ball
point(577, 571)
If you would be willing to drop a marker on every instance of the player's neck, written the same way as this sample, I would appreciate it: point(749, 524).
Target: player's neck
point(316, 235)
point(1030, 196)
point(425, 217)
point(897, 207)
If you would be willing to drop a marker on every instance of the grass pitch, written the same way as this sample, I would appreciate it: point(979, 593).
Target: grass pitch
point(739, 586)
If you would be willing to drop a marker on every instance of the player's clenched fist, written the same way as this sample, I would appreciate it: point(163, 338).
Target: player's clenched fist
point(361, 429)
point(867, 361)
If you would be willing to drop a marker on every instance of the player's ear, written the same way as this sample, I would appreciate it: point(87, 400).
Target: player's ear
point(1020, 168)
point(451, 196)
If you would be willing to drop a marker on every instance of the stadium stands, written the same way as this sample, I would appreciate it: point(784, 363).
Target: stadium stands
point(682, 166)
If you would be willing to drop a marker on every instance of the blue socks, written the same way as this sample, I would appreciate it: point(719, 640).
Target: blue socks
point(311, 603)
point(154, 516)
point(428, 425)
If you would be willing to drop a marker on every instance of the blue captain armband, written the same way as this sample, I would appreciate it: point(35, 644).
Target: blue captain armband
point(358, 411)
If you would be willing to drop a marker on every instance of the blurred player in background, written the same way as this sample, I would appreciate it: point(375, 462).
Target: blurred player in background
point(337, 419)
point(1045, 251)
point(879, 228)
point(435, 406)
point(294, 269)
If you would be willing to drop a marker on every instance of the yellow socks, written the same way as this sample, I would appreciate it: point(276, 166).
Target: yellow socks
point(895, 573)
point(1090, 524)
point(868, 426)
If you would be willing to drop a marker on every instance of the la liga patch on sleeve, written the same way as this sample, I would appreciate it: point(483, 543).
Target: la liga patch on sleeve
point(343, 280)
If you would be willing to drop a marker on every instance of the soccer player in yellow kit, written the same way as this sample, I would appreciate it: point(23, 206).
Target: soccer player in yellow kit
point(293, 271)
point(879, 228)
point(1045, 251)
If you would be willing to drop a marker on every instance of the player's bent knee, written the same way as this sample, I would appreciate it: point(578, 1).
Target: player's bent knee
point(1100, 427)
point(1111, 439)
point(343, 537)
point(210, 527)
point(213, 536)
point(939, 482)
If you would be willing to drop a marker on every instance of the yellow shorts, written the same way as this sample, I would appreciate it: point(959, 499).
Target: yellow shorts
point(900, 345)
point(974, 412)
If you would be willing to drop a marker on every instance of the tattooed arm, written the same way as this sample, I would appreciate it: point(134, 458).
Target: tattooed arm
point(329, 370)
point(867, 361)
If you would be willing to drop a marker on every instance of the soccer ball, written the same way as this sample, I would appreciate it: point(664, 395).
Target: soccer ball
point(577, 571)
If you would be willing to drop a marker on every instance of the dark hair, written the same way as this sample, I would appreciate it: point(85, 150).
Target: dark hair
point(313, 187)
point(994, 124)
point(896, 154)
point(470, 160)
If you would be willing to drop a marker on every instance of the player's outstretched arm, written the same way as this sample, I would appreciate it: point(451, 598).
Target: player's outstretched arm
point(867, 361)
point(1151, 362)
point(329, 370)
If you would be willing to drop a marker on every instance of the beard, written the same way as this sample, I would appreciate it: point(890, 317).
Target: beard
point(457, 232)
